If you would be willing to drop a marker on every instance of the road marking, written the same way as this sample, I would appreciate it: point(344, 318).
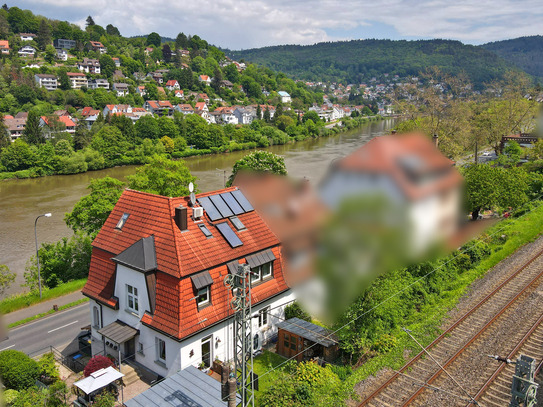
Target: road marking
point(7, 347)
point(63, 326)
point(36, 321)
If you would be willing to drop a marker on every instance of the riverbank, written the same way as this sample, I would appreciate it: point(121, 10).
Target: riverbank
point(325, 131)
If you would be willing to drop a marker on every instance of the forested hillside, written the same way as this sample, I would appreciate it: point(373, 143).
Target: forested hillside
point(524, 52)
point(359, 60)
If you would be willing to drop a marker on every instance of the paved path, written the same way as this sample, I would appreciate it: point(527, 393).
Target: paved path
point(41, 307)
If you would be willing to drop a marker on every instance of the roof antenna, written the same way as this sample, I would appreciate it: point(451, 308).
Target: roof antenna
point(192, 196)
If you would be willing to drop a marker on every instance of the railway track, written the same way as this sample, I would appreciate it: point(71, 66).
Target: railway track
point(422, 372)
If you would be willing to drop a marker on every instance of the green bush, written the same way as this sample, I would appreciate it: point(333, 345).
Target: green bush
point(48, 369)
point(17, 370)
point(295, 310)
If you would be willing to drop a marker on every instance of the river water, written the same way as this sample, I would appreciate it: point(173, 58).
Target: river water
point(23, 200)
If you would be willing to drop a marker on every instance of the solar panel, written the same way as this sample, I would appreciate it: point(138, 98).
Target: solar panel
point(221, 206)
point(205, 230)
point(229, 234)
point(210, 209)
point(232, 203)
point(245, 204)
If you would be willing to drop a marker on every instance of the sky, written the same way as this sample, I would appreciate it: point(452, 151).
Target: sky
point(243, 24)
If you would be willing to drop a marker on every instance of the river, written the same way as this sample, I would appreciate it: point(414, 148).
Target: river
point(23, 200)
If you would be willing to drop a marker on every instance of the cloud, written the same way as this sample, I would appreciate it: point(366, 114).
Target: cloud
point(254, 23)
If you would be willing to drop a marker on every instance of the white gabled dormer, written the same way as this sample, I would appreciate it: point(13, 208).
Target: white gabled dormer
point(135, 281)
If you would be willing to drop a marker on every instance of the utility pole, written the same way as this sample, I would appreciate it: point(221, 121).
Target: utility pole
point(240, 283)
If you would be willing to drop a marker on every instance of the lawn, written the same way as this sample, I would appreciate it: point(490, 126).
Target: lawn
point(262, 364)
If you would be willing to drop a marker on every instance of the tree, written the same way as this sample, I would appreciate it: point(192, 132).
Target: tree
point(5, 138)
point(490, 187)
point(147, 127)
point(44, 34)
point(105, 399)
point(168, 143)
point(17, 156)
point(50, 53)
point(96, 363)
point(7, 278)
point(107, 65)
point(167, 127)
point(90, 212)
point(17, 370)
point(112, 30)
point(63, 80)
point(259, 161)
point(166, 53)
point(181, 42)
point(163, 177)
point(258, 112)
point(82, 136)
point(32, 132)
point(217, 79)
point(154, 39)
point(267, 116)
point(90, 21)
point(110, 142)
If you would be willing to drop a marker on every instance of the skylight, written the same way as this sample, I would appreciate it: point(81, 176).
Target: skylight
point(122, 221)
point(237, 223)
point(205, 230)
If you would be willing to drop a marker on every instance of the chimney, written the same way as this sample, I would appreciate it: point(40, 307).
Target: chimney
point(435, 138)
point(181, 218)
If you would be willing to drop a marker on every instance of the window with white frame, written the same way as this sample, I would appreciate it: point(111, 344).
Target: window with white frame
point(96, 317)
point(263, 317)
point(132, 299)
point(160, 350)
point(262, 272)
point(203, 296)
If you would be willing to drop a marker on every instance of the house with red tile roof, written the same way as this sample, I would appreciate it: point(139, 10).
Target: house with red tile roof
point(4, 47)
point(206, 79)
point(156, 279)
point(203, 96)
point(184, 108)
point(159, 107)
point(97, 46)
point(172, 84)
point(179, 94)
point(57, 124)
point(411, 174)
point(201, 106)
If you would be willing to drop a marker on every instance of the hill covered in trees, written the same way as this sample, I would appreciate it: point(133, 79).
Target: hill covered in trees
point(524, 52)
point(358, 61)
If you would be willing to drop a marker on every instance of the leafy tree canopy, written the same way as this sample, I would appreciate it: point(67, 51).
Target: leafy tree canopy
point(259, 161)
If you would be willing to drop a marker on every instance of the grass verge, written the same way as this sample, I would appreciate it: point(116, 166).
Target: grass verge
point(426, 324)
point(51, 311)
point(263, 363)
point(20, 301)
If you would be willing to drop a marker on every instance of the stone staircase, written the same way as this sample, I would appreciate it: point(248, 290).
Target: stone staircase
point(131, 375)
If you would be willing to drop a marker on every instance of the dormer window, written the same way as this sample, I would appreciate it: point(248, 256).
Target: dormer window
point(202, 286)
point(122, 221)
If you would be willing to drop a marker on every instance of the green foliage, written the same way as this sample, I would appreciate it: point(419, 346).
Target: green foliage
point(17, 156)
point(259, 161)
point(304, 384)
point(358, 60)
point(91, 211)
point(295, 310)
point(154, 39)
point(110, 142)
point(32, 132)
point(62, 261)
point(524, 52)
point(163, 177)
point(48, 369)
point(17, 370)
point(105, 399)
point(7, 278)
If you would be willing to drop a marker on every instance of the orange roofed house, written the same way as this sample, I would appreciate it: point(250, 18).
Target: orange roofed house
point(156, 280)
point(411, 174)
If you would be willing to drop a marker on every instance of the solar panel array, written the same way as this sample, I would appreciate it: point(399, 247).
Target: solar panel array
point(230, 236)
point(224, 205)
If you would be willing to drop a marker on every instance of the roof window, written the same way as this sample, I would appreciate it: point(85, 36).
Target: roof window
point(205, 230)
point(122, 221)
point(237, 223)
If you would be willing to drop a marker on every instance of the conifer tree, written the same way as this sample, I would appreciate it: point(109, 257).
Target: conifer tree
point(44, 34)
point(32, 132)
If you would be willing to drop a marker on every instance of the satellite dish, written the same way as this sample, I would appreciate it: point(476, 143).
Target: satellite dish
point(192, 199)
point(191, 187)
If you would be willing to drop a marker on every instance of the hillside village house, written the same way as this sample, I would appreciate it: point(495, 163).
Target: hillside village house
point(77, 80)
point(206, 79)
point(285, 97)
point(62, 43)
point(184, 108)
point(159, 107)
point(57, 124)
point(4, 46)
point(46, 81)
point(172, 84)
point(98, 83)
point(156, 279)
point(179, 94)
point(243, 115)
point(97, 46)
point(27, 51)
point(15, 126)
point(88, 65)
point(121, 89)
point(27, 36)
point(62, 55)
point(113, 109)
point(411, 173)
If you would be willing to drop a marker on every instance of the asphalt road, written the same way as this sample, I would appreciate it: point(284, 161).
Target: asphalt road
point(57, 330)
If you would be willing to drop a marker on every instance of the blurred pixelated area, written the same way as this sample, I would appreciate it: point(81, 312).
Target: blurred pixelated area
point(394, 201)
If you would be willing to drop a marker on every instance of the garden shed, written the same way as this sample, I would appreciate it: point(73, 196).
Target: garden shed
point(304, 340)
